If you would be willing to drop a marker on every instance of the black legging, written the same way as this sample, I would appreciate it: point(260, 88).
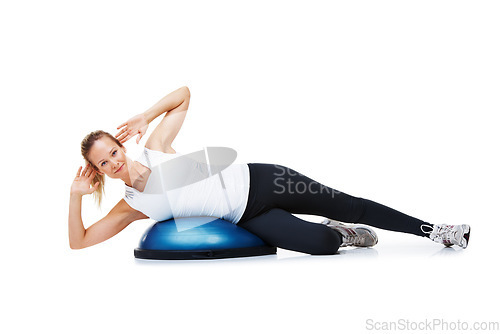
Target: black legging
point(277, 191)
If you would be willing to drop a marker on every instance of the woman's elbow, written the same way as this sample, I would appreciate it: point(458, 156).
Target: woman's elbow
point(77, 245)
point(73, 246)
point(188, 92)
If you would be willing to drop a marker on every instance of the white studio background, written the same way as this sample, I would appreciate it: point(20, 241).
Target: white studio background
point(393, 101)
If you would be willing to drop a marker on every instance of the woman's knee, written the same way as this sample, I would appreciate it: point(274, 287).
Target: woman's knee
point(323, 241)
point(327, 243)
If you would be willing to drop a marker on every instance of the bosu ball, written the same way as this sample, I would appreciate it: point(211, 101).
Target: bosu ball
point(194, 238)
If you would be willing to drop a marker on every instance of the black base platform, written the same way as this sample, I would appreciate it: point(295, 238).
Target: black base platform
point(203, 254)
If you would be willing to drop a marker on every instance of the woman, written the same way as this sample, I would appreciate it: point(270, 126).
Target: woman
point(258, 197)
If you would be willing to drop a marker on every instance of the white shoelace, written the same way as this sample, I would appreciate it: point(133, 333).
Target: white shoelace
point(426, 232)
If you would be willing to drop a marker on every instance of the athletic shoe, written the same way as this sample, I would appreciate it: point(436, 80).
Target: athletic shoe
point(353, 234)
point(448, 235)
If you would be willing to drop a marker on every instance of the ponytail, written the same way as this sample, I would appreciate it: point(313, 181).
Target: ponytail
point(99, 192)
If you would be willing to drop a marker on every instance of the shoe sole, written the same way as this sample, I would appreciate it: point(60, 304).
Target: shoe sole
point(465, 237)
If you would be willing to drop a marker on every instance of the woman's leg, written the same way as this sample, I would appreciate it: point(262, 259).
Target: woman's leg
point(276, 186)
point(280, 228)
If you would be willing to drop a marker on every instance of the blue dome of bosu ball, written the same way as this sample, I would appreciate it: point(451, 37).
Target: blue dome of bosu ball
point(199, 238)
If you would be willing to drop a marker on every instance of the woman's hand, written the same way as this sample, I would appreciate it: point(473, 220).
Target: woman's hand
point(137, 125)
point(82, 182)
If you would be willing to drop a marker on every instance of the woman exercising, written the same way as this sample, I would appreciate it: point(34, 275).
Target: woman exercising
point(260, 198)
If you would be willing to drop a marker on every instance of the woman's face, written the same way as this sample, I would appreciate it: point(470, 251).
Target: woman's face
point(109, 158)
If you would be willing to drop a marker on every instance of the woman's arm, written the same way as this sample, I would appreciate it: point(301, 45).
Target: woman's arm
point(175, 105)
point(162, 137)
point(114, 222)
point(170, 102)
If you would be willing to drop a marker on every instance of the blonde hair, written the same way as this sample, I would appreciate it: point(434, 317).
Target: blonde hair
point(85, 146)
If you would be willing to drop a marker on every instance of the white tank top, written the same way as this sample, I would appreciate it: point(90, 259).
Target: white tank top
point(211, 197)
